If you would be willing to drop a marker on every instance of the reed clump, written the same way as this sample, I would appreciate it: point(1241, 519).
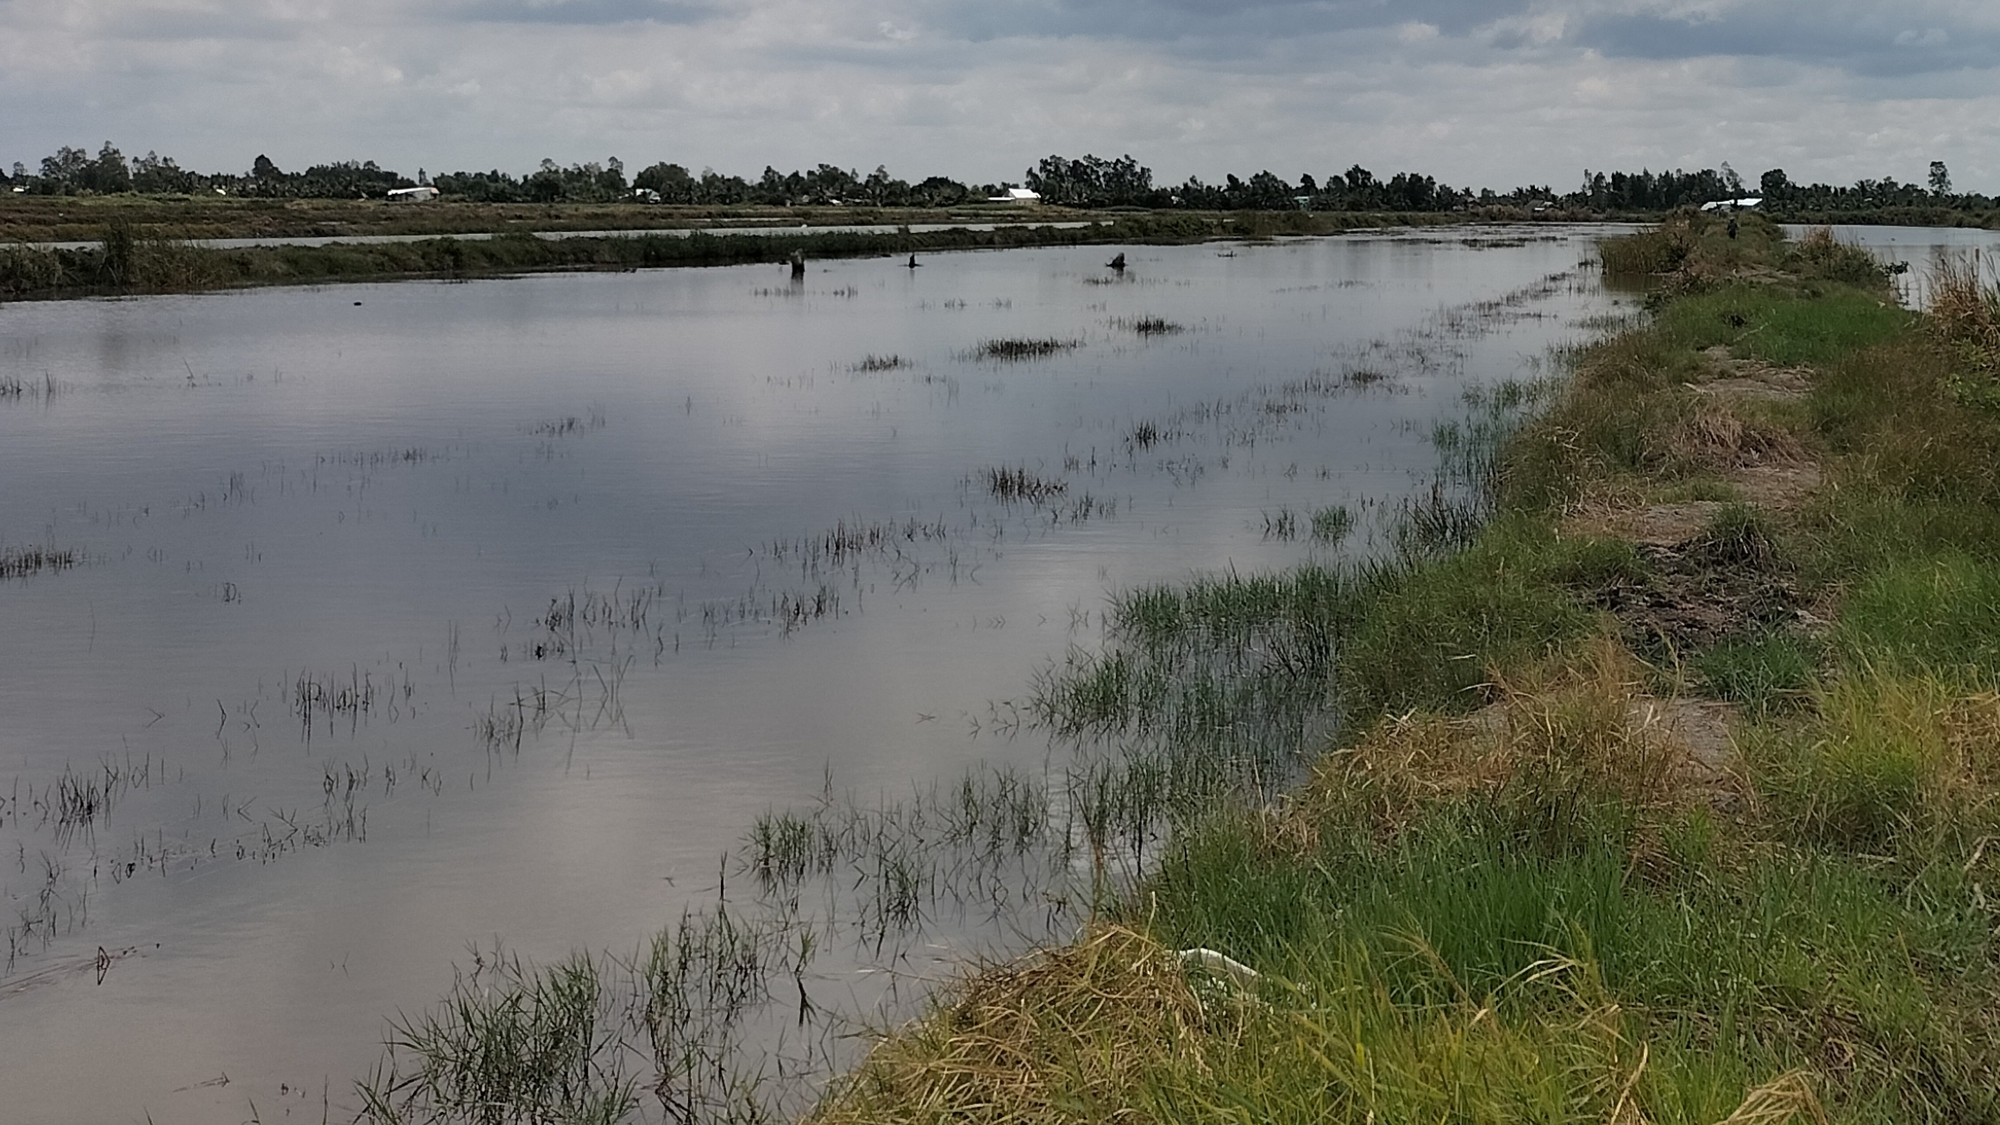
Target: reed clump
point(1149, 326)
point(20, 562)
point(872, 363)
point(1018, 483)
point(128, 259)
point(1821, 256)
point(1018, 349)
point(1964, 318)
point(1330, 525)
point(512, 1043)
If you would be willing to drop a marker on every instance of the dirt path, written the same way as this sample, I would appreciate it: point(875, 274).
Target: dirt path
point(1708, 579)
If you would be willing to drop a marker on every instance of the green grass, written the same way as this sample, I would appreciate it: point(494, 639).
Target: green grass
point(1939, 615)
point(1765, 673)
point(1434, 631)
point(1756, 322)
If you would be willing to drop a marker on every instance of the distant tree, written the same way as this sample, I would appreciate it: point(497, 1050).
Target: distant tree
point(829, 184)
point(1091, 181)
point(1940, 179)
point(1266, 192)
point(670, 180)
point(62, 173)
point(939, 191)
point(153, 174)
point(1775, 185)
point(479, 187)
point(1408, 191)
point(1731, 182)
point(1362, 191)
point(714, 187)
point(346, 179)
point(108, 173)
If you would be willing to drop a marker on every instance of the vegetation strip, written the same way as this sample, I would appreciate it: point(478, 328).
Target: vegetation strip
point(1666, 796)
point(134, 258)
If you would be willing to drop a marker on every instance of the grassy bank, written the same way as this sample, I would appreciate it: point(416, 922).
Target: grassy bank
point(136, 257)
point(1665, 788)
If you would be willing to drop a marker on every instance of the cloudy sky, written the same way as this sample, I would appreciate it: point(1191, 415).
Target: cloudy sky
point(1481, 92)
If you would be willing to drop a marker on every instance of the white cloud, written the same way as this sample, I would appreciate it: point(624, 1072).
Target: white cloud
point(1473, 92)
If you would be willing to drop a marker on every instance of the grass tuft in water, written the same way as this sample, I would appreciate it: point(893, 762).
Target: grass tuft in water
point(1148, 326)
point(872, 362)
point(1017, 349)
point(20, 562)
point(511, 1043)
point(1331, 525)
point(1018, 483)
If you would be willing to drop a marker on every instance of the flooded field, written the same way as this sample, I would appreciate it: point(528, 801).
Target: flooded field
point(355, 631)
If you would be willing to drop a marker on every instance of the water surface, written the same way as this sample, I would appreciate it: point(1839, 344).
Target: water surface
point(412, 616)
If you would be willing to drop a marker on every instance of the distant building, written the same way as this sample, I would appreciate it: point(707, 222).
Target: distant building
point(645, 195)
point(1016, 195)
point(413, 194)
point(1746, 203)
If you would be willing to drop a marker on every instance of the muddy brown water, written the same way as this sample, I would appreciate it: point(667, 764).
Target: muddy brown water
point(413, 616)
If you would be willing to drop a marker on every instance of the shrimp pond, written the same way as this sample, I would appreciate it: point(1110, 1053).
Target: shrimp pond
point(361, 639)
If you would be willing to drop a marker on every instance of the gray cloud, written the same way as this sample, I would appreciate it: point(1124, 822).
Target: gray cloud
point(1865, 38)
point(1209, 20)
point(1480, 93)
point(585, 12)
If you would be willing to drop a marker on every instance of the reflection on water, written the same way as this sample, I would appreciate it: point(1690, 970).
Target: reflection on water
point(410, 617)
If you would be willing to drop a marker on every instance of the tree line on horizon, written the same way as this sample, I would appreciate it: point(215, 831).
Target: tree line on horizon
point(1083, 182)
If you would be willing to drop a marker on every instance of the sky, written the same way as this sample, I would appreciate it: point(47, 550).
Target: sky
point(1476, 93)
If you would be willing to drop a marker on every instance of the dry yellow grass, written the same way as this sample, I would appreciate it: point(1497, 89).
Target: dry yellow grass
point(1588, 725)
point(1069, 1034)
